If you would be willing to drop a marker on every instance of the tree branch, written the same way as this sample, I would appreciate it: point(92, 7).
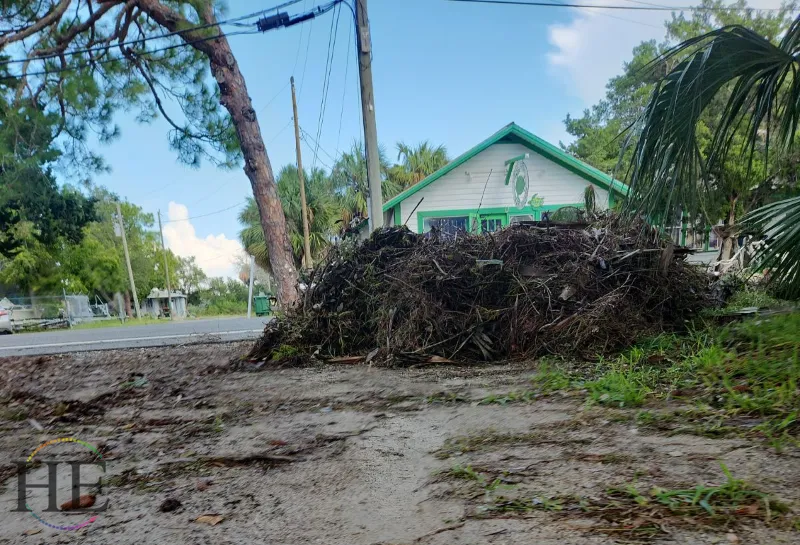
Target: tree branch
point(150, 83)
point(50, 19)
point(172, 20)
point(64, 40)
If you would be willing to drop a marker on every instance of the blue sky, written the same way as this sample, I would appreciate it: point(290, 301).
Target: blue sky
point(448, 72)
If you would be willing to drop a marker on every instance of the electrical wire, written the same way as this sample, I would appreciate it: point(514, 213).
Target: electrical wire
point(233, 21)
point(326, 81)
point(344, 90)
point(632, 8)
point(209, 214)
point(617, 17)
point(300, 42)
point(304, 134)
point(119, 58)
point(279, 133)
point(274, 97)
point(305, 60)
point(311, 148)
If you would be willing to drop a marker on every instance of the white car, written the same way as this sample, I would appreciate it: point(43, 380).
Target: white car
point(5, 321)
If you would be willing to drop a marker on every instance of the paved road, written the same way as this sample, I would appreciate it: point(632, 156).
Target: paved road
point(168, 333)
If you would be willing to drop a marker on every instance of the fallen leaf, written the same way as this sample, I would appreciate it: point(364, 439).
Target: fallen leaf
point(210, 519)
point(84, 502)
point(675, 453)
point(346, 359)
point(439, 359)
point(748, 510)
point(33, 531)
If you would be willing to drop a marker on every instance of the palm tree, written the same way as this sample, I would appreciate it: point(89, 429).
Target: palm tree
point(322, 212)
point(349, 182)
point(421, 161)
point(758, 86)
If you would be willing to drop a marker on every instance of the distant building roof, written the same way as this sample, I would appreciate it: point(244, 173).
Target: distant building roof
point(156, 293)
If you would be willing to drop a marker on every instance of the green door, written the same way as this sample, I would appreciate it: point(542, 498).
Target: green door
point(493, 222)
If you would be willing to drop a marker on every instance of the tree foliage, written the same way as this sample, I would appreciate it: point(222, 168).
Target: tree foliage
point(679, 163)
point(734, 183)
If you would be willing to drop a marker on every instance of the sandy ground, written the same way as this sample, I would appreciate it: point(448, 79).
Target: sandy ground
point(342, 455)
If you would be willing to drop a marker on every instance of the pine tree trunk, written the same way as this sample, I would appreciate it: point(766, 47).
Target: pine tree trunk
point(235, 98)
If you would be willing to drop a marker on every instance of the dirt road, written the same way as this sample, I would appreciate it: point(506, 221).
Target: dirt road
point(353, 456)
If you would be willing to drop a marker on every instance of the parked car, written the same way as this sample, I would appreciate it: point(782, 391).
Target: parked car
point(5, 321)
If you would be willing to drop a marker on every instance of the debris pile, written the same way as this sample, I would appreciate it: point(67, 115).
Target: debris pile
point(400, 298)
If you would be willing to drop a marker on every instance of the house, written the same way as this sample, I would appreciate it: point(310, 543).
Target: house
point(485, 186)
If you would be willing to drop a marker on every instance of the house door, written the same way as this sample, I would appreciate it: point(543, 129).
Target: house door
point(493, 222)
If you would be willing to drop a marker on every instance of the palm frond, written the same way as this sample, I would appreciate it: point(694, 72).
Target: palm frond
point(668, 173)
point(779, 223)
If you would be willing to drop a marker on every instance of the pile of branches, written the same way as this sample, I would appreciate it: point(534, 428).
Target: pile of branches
point(401, 298)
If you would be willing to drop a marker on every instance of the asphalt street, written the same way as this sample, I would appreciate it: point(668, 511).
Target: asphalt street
point(137, 336)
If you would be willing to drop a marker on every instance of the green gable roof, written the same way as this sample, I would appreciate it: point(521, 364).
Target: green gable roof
point(513, 133)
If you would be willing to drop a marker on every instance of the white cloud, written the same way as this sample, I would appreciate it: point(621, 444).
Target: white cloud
point(215, 254)
point(592, 48)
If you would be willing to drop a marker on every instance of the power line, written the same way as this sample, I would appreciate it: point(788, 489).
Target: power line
point(317, 144)
point(344, 90)
point(118, 58)
point(209, 214)
point(311, 149)
point(326, 80)
point(300, 42)
point(274, 97)
point(305, 60)
point(600, 6)
point(279, 132)
point(233, 21)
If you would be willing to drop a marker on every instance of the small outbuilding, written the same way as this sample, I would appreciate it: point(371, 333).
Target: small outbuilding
point(157, 304)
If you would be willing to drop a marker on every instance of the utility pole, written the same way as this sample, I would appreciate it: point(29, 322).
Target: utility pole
point(128, 261)
point(252, 274)
point(364, 43)
point(303, 205)
point(166, 267)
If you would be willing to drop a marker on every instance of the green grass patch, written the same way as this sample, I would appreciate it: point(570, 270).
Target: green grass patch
point(627, 511)
point(742, 378)
point(552, 377)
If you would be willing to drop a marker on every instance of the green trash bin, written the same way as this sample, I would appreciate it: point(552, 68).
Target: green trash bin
point(262, 305)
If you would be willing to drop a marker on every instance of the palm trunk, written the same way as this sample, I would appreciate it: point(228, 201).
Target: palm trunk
point(235, 99)
point(729, 239)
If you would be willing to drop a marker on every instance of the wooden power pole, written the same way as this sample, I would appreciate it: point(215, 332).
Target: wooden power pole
point(300, 177)
point(128, 261)
point(166, 267)
point(364, 42)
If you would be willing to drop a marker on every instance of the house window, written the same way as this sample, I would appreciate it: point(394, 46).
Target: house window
point(446, 226)
point(519, 218)
point(490, 224)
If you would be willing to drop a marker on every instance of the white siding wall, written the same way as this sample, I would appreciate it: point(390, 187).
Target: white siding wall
point(462, 187)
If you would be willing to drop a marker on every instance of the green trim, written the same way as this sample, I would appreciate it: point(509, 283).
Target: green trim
point(397, 218)
point(474, 215)
point(513, 160)
point(543, 148)
point(683, 231)
point(510, 164)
